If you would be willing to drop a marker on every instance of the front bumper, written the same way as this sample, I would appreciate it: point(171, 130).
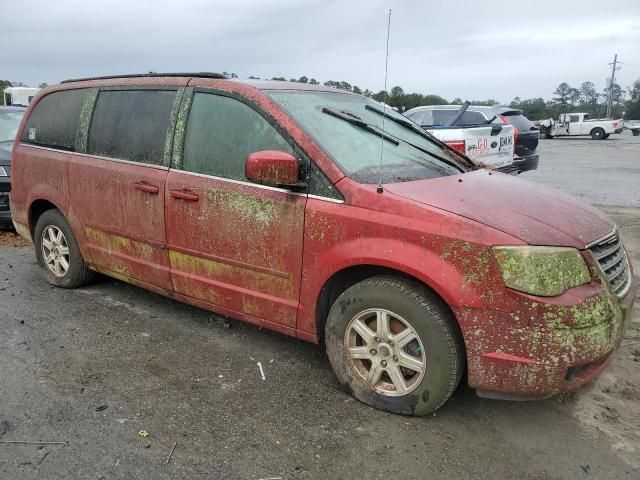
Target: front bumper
point(5, 212)
point(533, 361)
point(530, 162)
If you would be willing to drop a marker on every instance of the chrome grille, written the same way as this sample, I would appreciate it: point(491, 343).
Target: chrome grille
point(613, 262)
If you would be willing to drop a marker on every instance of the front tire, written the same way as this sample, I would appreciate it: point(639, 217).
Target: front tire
point(394, 345)
point(58, 253)
point(597, 134)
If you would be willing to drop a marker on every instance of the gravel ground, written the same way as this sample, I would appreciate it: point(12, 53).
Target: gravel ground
point(92, 367)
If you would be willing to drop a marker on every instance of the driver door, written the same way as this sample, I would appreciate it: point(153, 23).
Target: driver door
point(232, 243)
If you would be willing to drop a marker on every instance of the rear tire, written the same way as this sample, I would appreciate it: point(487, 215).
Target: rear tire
point(597, 133)
point(606, 136)
point(57, 252)
point(394, 345)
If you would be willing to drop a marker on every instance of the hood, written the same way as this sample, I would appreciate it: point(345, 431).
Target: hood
point(535, 214)
point(5, 153)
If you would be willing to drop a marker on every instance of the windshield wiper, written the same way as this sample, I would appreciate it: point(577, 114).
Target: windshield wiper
point(354, 120)
point(411, 126)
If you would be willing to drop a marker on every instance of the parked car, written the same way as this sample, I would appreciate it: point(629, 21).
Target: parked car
point(576, 124)
point(9, 121)
point(287, 205)
point(633, 125)
point(526, 138)
point(477, 132)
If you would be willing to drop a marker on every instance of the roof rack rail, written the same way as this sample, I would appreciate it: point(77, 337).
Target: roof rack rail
point(150, 74)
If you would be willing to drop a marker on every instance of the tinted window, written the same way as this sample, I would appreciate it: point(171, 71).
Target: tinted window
point(131, 124)
point(439, 118)
point(222, 132)
point(54, 120)
point(521, 122)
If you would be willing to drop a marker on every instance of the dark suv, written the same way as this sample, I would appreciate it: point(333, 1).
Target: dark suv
point(9, 121)
point(525, 154)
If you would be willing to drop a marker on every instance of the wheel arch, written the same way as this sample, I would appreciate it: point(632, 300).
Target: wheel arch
point(348, 276)
point(36, 209)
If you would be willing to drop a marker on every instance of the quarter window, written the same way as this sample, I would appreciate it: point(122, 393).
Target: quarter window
point(222, 132)
point(54, 120)
point(131, 125)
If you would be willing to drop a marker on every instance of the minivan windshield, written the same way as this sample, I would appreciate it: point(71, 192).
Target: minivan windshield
point(9, 122)
point(349, 129)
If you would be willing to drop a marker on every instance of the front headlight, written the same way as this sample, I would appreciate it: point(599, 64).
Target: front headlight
point(543, 271)
point(3, 172)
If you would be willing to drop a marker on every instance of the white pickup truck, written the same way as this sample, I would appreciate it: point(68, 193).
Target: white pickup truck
point(477, 132)
point(574, 124)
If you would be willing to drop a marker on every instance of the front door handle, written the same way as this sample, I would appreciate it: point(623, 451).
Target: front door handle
point(146, 187)
point(186, 196)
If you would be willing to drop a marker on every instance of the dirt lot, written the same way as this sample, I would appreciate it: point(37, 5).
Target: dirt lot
point(92, 367)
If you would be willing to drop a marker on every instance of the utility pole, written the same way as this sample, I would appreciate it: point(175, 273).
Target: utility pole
point(613, 76)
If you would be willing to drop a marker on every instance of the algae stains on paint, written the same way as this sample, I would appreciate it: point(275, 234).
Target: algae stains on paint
point(85, 119)
point(544, 271)
point(209, 271)
point(245, 208)
point(593, 311)
point(23, 231)
point(118, 244)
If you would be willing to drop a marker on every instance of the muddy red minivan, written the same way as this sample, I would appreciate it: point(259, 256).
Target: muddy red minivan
point(317, 213)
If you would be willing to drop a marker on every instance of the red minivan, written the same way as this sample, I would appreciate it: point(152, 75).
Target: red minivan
point(317, 213)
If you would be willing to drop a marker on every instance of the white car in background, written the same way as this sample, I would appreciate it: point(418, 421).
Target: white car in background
point(576, 124)
point(477, 132)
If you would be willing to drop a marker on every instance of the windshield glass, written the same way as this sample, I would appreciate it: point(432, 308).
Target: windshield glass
point(356, 150)
point(9, 122)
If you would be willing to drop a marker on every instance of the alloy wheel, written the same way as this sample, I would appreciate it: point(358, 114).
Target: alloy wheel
point(385, 351)
point(55, 251)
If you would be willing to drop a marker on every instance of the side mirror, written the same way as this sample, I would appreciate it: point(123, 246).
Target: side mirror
point(272, 167)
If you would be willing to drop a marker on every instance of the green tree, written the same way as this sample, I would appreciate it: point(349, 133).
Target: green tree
point(303, 79)
point(563, 94)
point(632, 107)
point(589, 96)
point(617, 99)
point(313, 81)
point(532, 108)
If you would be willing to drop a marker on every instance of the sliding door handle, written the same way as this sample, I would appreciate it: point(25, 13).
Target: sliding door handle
point(184, 195)
point(146, 187)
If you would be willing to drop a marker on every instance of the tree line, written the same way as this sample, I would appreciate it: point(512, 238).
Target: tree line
point(584, 98)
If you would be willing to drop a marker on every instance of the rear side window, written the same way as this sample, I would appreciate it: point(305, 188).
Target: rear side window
point(131, 125)
point(54, 120)
point(222, 132)
point(521, 122)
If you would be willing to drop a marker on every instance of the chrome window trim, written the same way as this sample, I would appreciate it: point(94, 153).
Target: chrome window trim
point(326, 199)
point(117, 160)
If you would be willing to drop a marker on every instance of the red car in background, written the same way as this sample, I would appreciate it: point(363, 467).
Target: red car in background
point(310, 211)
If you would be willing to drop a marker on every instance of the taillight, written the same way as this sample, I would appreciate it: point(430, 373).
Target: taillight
point(515, 130)
point(458, 145)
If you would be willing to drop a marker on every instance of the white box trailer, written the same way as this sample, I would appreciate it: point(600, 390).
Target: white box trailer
point(19, 95)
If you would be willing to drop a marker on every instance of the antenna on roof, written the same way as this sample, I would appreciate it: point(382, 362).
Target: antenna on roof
point(384, 104)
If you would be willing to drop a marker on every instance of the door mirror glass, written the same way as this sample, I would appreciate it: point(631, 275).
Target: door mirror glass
point(272, 167)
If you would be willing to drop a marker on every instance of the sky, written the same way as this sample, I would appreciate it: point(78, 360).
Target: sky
point(467, 49)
